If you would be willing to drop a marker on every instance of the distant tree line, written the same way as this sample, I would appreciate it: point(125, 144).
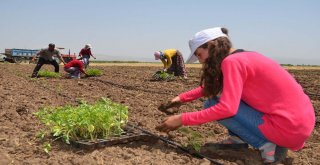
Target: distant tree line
point(299, 65)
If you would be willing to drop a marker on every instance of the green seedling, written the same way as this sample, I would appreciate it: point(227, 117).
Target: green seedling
point(101, 120)
point(41, 135)
point(195, 139)
point(94, 72)
point(162, 75)
point(48, 74)
point(47, 148)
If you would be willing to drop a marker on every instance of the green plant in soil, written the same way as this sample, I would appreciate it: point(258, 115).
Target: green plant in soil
point(44, 73)
point(41, 135)
point(93, 72)
point(85, 122)
point(162, 75)
point(195, 139)
point(47, 147)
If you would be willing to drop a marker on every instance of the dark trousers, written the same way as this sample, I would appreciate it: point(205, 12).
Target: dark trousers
point(177, 67)
point(44, 61)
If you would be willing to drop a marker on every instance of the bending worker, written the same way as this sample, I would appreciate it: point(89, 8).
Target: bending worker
point(46, 57)
point(75, 68)
point(257, 100)
point(85, 54)
point(173, 62)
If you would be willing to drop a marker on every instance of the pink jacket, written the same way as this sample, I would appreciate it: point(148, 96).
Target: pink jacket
point(264, 85)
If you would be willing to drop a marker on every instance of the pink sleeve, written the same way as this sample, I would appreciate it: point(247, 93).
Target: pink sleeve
point(191, 95)
point(234, 76)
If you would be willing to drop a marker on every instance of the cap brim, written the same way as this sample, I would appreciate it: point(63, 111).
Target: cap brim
point(192, 58)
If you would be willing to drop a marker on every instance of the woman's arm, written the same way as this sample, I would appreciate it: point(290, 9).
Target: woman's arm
point(169, 61)
point(233, 71)
point(80, 53)
point(91, 54)
point(191, 95)
point(164, 63)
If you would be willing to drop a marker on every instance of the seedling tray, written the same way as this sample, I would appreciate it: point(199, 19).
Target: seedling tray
point(129, 135)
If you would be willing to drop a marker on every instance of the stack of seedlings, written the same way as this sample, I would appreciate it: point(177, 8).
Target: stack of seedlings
point(102, 120)
point(163, 76)
point(93, 72)
point(48, 74)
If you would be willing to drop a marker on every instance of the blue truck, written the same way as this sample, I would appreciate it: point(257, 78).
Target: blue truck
point(29, 55)
point(19, 55)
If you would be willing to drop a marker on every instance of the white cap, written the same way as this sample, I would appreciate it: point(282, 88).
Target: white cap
point(201, 38)
point(87, 46)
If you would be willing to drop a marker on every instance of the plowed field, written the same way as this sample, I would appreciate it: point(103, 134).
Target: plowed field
point(21, 96)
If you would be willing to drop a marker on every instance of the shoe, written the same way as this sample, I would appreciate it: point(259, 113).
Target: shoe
point(267, 152)
point(73, 77)
point(272, 153)
point(34, 75)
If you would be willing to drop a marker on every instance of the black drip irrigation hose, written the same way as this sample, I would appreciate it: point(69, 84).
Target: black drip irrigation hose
point(177, 145)
point(130, 87)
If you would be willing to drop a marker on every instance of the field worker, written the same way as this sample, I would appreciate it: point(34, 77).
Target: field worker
point(172, 61)
point(85, 54)
point(256, 99)
point(46, 57)
point(75, 68)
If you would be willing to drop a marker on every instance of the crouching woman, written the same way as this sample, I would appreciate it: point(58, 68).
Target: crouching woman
point(256, 99)
point(75, 68)
point(172, 61)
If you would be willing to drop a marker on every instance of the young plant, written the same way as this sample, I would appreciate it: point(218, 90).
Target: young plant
point(49, 74)
point(195, 139)
point(47, 148)
point(41, 135)
point(93, 72)
point(101, 120)
point(162, 75)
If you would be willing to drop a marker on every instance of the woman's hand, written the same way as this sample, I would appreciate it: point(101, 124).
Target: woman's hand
point(170, 124)
point(170, 107)
point(176, 99)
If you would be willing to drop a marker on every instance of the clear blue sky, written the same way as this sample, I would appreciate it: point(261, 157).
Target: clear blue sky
point(287, 31)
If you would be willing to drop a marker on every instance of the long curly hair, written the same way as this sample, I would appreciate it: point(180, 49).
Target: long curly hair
point(212, 77)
